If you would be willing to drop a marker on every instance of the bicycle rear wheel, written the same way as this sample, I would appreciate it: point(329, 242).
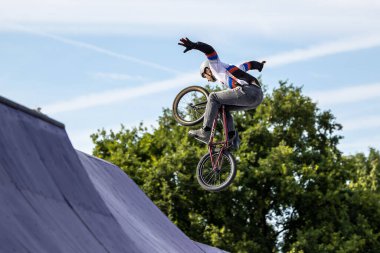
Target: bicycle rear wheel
point(216, 179)
point(189, 105)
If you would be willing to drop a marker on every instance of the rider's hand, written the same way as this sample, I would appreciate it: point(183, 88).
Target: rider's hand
point(262, 66)
point(188, 44)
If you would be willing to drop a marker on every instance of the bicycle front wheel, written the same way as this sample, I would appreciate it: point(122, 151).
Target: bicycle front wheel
point(221, 175)
point(189, 105)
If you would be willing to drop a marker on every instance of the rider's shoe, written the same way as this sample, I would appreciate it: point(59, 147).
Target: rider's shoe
point(201, 135)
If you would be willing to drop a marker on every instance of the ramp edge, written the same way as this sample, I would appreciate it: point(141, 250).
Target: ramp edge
point(31, 112)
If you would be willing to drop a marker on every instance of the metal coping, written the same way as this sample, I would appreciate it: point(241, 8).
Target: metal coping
point(29, 111)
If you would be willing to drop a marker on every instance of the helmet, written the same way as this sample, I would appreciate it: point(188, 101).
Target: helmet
point(205, 64)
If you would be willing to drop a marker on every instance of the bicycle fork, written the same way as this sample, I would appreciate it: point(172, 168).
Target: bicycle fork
point(211, 146)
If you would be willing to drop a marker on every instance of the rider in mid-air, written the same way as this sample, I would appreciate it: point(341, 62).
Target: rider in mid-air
point(243, 90)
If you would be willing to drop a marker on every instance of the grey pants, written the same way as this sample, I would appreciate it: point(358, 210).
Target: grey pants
point(237, 99)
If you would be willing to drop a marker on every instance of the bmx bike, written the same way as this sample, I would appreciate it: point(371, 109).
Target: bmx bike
point(217, 169)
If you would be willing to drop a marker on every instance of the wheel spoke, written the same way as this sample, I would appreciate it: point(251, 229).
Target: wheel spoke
point(212, 176)
point(216, 178)
point(210, 173)
point(191, 106)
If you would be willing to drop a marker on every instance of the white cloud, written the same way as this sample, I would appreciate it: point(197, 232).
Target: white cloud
point(251, 18)
point(324, 49)
point(297, 55)
point(92, 47)
point(117, 95)
point(345, 95)
point(117, 76)
point(361, 123)
point(349, 94)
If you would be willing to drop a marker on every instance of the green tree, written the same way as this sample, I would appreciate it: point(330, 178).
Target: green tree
point(294, 191)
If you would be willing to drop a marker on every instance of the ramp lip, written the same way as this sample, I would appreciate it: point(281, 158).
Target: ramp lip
point(31, 112)
point(99, 159)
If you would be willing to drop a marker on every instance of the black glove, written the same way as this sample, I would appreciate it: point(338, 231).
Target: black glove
point(262, 66)
point(188, 44)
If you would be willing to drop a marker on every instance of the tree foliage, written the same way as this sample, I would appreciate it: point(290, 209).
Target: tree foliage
point(294, 190)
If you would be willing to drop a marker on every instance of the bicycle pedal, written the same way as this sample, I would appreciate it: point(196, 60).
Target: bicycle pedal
point(198, 139)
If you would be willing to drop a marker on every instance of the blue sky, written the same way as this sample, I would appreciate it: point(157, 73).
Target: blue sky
point(95, 64)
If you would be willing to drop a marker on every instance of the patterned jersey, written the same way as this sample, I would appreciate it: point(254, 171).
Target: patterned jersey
point(229, 75)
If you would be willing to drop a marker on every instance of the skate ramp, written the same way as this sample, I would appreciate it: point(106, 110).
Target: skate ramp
point(135, 212)
point(55, 199)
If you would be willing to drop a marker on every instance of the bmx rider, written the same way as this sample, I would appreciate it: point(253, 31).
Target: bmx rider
point(243, 90)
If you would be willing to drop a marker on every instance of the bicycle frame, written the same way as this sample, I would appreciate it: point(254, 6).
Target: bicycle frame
point(223, 144)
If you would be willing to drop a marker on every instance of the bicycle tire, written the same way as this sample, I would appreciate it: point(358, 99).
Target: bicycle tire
point(203, 178)
point(187, 118)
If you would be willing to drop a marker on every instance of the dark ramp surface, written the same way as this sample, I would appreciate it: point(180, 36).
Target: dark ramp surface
point(48, 203)
point(54, 199)
point(209, 249)
point(134, 211)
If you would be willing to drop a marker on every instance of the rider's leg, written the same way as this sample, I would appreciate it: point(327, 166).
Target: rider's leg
point(215, 100)
point(230, 125)
point(230, 121)
point(244, 98)
point(238, 98)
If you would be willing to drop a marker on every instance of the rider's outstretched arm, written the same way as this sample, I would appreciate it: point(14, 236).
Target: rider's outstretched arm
point(252, 65)
point(213, 56)
point(208, 50)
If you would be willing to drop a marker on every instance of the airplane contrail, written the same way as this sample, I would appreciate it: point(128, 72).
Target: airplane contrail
point(94, 48)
